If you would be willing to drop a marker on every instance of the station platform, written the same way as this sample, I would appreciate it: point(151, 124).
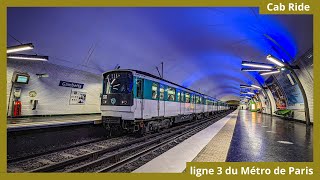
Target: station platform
point(241, 136)
point(28, 123)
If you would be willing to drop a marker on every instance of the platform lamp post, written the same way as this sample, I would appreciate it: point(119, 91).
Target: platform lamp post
point(282, 66)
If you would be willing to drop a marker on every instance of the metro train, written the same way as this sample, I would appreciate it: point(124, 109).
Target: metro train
point(138, 102)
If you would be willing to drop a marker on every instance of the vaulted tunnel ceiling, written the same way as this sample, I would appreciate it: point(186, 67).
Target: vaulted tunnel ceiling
point(202, 48)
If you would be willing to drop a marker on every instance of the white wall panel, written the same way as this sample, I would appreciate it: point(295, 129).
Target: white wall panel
point(54, 99)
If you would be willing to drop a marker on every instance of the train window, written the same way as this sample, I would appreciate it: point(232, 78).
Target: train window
point(139, 88)
point(182, 96)
point(161, 92)
point(178, 96)
point(154, 90)
point(118, 83)
point(187, 98)
point(171, 93)
point(197, 100)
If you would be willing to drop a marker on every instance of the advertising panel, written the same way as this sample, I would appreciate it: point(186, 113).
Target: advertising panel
point(277, 93)
point(292, 92)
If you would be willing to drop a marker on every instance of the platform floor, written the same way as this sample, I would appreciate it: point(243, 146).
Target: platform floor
point(242, 136)
point(27, 123)
point(264, 138)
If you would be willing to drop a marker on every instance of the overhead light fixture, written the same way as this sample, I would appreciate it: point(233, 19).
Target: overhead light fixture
point(275, 60)
point(251, 69)
point(255, 64)
point(272, 72)
point(244, 86)
point(255, 86)
point(251, 93)
point(22, 47)
point(28, 57)
point(247, 86)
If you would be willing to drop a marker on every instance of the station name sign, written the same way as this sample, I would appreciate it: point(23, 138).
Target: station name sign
point(71, 84)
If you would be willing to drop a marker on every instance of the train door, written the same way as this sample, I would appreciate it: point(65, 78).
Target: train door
point(155, 96)
point(182, 105)
point(140, 102)
point(203, 104)
point(196, 103)
point(179, 101)
point(161, 101)
point(193, 103)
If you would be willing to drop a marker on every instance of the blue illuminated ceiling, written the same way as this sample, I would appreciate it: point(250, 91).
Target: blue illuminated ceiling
point(202, 48)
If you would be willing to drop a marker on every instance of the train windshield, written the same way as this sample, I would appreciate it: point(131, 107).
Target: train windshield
point(118, 82)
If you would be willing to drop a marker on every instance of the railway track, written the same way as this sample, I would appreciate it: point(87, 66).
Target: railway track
point(143, 153)
point(34, 155)
point(122, 154)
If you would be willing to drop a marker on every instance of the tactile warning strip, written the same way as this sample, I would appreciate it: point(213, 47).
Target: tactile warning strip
point(217, 149)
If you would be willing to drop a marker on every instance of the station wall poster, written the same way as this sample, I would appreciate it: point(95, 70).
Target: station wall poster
point(77, 97)
point(292, 91)
point(278, 95)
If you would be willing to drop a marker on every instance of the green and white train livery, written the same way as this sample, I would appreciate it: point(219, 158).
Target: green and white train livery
point(136, 101)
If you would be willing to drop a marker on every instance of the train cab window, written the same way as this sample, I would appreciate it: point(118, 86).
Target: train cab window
point(178, 96)
point(139, 88)
point(187, 98)
point(161, 92)
point(182, 96)
point(155, 91)
point(171, 93)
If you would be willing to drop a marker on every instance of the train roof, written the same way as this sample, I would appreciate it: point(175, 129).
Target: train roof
point(159, 78)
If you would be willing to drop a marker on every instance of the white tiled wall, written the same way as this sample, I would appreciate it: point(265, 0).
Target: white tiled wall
point(54, 99)
point(305, 74)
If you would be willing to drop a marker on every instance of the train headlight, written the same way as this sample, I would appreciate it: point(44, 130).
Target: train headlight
point(124, 102)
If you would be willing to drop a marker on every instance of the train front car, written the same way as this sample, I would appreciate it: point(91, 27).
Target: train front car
point(117, 101)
